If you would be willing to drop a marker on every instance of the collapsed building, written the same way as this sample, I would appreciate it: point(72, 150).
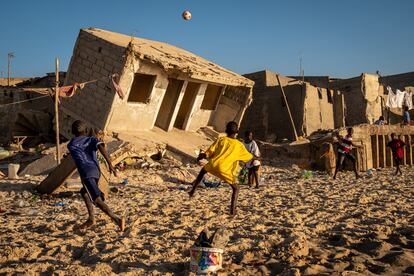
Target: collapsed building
point(165, 86)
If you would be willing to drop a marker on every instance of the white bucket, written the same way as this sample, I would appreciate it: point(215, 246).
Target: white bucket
point(205, 260)
point(13, 169)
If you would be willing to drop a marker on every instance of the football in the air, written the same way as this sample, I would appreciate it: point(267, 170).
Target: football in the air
point(186, 15)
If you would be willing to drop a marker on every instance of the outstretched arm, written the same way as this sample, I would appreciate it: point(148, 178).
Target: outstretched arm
point(102, 150)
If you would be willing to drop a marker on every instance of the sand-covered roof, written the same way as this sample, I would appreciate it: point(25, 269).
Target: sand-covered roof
point(174, 59)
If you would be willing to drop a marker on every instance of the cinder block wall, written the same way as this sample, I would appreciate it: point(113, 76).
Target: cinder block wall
point(93, 58)
point(355, 103)
point(267, 116)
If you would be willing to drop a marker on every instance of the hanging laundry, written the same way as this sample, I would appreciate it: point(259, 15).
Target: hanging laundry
point(69, 90)
point(117, 87)
point(391, 99)
point(408, 100)
point(399, 96)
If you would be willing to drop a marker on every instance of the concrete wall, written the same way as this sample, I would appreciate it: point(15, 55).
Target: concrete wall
point(362, 96)
point(268, 117)
point(93, 58)
point(231, 107)
point(129, 116)
point(319, 109)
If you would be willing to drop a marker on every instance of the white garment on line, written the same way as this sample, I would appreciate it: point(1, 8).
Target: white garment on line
point(399, 95)
point(408, 99)
point(391, 99)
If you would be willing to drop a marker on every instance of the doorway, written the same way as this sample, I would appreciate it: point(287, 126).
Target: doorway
point(168, 103)
point(186, 105)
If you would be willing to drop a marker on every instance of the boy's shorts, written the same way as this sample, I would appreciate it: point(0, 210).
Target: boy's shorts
point(91, 186)
point(254, 168)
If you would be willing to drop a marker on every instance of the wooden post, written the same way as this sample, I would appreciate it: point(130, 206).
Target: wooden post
point(377, 151)
point(384, 151)
point(57, 112)
point(410, 150)
point(287, 106)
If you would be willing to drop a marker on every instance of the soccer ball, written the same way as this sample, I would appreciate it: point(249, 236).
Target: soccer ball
point(186, 15)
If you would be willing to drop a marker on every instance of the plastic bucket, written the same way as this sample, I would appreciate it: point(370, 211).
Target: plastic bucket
point(205, 260)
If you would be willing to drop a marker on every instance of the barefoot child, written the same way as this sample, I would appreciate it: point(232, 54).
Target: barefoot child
point(397, 146)
point(83, 150)
point(253, 165)
point(224, 156)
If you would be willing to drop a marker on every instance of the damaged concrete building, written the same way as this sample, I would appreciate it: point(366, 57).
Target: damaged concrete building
point(317, 103)
point(313, 108)
point(165, 86)
point(26, 116)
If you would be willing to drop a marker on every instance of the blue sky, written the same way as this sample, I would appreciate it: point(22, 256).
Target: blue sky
point(335, 38)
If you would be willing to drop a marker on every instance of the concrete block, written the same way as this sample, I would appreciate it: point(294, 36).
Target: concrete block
point(13, 170)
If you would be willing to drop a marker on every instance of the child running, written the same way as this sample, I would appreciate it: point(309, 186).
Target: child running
point(83, 149)
point(397, 146)
point(224, 156)
point(253, 165)
point(344, 152)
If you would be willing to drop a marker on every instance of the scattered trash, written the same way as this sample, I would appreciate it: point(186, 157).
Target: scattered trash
point(4, 153)
point(183, 187)
point(370, 173)
point(21, 203)
point(125, 181)
point(60, 204)
point(114, 190)
point(307, 174)
point(211, 184)
point(244, 176)
point(2, 211)
point(262, 179)
point(26, 194)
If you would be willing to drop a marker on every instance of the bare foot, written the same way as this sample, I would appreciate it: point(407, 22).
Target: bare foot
point(87, 224)
point(121, 224)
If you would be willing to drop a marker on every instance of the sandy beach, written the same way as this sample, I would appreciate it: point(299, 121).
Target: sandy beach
point(289, 226)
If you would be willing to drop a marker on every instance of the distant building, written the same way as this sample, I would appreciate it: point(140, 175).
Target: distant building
point(313, 108)
point(30, 117)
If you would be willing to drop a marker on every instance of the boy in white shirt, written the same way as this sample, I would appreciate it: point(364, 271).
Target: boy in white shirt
point(253, 165)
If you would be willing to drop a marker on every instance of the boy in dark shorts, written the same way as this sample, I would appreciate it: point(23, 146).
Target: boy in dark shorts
point(397, 148)
point(224, 156)
point(253, 165)
point(83, 149)
point(344, 152)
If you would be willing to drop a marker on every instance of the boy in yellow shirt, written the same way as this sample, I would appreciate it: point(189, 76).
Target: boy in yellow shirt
point(224, 156)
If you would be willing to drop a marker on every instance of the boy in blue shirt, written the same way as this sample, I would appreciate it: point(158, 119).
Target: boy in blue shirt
point(83, 149)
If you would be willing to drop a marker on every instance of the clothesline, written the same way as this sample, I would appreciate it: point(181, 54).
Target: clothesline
point(68, 90)
point(23, 101)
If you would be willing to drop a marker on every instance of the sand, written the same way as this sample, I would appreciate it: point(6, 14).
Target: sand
point(290, 226)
